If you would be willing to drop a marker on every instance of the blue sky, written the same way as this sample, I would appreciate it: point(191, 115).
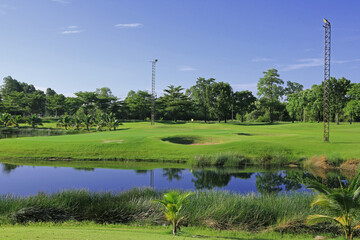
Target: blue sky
point(81, 45)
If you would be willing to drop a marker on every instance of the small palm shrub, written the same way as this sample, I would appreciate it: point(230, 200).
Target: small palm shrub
point(342, 205)
point(172, 203)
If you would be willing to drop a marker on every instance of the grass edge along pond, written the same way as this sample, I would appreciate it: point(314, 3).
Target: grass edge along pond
point(217, 210)
point(199, 144)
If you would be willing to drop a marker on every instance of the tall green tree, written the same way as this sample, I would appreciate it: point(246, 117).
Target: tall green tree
point(201, 94)
point(243, 103)
point(88, 100)
point(175, 103)
point(105, 99)
point(293, 87)
point(338, 96)
point(270, 90)
point(222, 103)
point(138, 104)
point(294, 106)
point(352, 108)
point(316, 102)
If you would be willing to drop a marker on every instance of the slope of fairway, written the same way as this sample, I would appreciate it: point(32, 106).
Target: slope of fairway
point(185, 141)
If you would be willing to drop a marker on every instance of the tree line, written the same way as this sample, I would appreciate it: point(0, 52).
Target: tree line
point(206, 100)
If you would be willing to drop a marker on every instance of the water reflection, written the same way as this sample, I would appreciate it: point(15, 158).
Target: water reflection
point(210, 179)
point(85, 169)
point(7, 168)
point(26, 180)
point(29, 132)
point(172, 174)
point(275, 182)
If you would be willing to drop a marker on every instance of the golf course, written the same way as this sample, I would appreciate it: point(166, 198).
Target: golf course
point(192, 143)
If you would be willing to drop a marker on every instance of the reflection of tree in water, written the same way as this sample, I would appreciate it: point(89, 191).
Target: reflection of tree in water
point(331, 180)
point(141, 171)
point(85, 169)
point(7, 168)
point(172, 173)
point(210, 179)
point(274, 182)
point(242, 175)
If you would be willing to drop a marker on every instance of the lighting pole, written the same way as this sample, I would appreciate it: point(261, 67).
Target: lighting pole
point(326, 106)
point(153, 92)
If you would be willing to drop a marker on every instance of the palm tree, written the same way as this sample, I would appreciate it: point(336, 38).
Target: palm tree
point(77, 123)
point(342, 204)
point(87, 120)
point(5, 118)
point(99, 121)
point(16, 120)
point(172, 204)
point(110, 121)
point(33, 120)
point(65, 122)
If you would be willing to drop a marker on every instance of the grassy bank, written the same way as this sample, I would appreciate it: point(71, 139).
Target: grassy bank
point(194, 143)
point(215, 210)
point(91, 231)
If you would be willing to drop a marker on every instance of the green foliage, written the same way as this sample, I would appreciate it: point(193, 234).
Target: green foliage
point(34, 121)
point(15, 120)
point(172, 203)
point(5, 119)
point(202, 95)
point(243, 102)
point(342, 205)
point(222, 103)
point(138, 105)
point(65, 122)
point(174, 104)
point(270, 89)
point(212, 209)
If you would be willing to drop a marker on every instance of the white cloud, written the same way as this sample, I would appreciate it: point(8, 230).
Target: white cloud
point(262, 59)
point(346, 61)
point(60, 1)
point(186, 69)
point(312, 62)
point(304, 63)
point(71, 30)
point(129, 25)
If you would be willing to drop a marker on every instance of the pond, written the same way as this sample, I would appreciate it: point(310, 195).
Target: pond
point(29, 132)
point(27, 180)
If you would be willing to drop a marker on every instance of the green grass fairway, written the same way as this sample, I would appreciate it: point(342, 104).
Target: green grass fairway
point(122, 232)
point(184, 141)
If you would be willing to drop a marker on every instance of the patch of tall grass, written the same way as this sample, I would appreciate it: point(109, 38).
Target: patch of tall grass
point(214, 209)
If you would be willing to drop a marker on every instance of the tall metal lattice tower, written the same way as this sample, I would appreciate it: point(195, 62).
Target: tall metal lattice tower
point(153, 94)
point(326, 106)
